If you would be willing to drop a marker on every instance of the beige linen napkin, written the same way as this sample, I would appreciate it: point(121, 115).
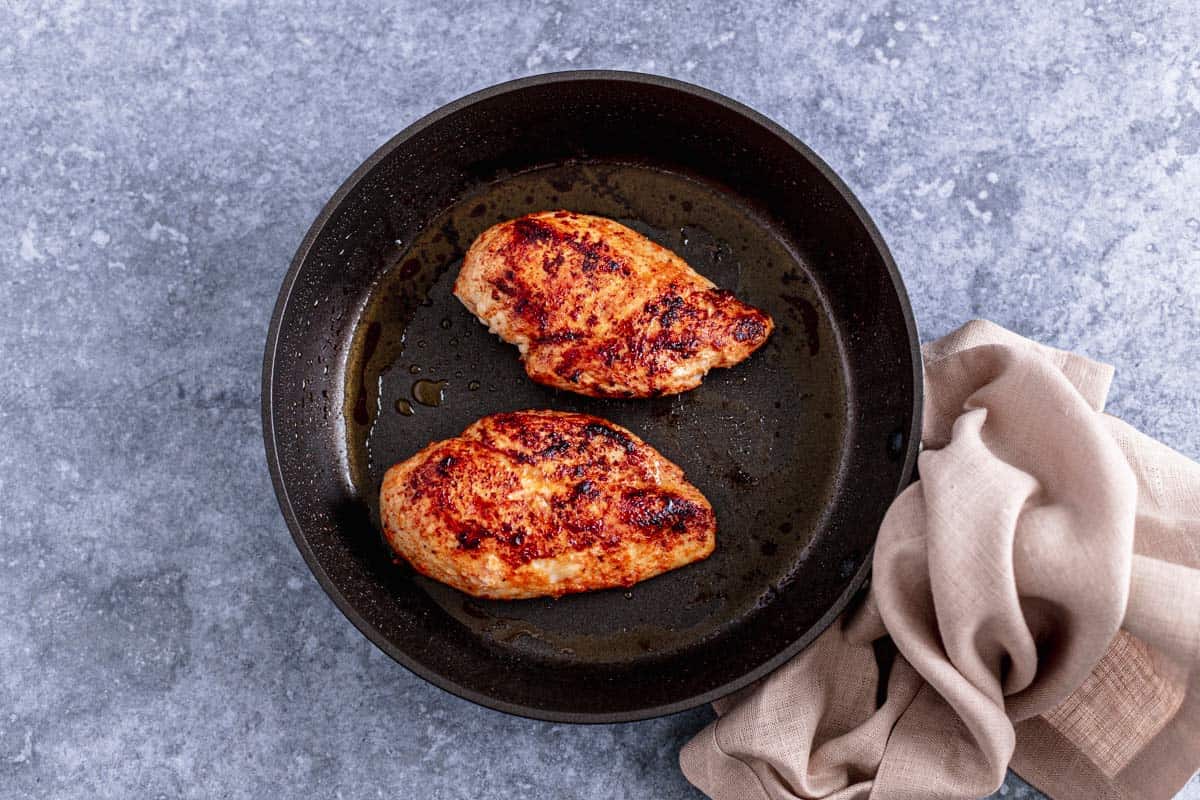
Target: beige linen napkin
point(1041, 584)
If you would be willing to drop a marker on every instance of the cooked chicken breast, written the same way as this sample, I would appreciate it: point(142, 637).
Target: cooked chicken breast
point(539, 503)
point(597, 308)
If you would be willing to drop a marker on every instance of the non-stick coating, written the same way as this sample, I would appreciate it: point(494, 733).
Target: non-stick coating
point(801, 449)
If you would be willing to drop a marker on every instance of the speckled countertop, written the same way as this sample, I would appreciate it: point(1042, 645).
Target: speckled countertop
point(159, 162)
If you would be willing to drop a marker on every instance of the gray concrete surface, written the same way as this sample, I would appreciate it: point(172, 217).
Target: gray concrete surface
point(1033, 163)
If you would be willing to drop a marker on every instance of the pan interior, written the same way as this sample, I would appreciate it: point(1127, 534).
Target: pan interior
point(763, 440)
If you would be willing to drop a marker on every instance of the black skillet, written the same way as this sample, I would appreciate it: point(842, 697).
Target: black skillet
point(800, 449)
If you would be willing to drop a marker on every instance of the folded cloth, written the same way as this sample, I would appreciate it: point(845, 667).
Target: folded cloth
point(1039, 589)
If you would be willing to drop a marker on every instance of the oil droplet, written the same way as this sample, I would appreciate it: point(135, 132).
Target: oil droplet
point(429, 393)
point(420, 343)
point(415, 369)
point(446, 324)
point(629, 595)
point(473, 386)
point(404, 407)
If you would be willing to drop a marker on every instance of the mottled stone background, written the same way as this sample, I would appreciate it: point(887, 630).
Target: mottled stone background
point(160, 636)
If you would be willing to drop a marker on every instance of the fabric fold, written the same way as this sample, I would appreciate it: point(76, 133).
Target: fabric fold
point(1041, 584)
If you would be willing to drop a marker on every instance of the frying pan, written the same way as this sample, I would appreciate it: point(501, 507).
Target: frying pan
point(800, 449)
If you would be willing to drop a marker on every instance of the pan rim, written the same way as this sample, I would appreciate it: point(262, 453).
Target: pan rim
point(857, 581)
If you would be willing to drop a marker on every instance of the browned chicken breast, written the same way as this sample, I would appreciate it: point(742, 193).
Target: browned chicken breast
point(597, 308)
point(539, 503)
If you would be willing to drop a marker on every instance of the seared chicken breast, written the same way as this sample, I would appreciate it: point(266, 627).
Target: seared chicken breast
point(537, 503)
point(597, 308)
